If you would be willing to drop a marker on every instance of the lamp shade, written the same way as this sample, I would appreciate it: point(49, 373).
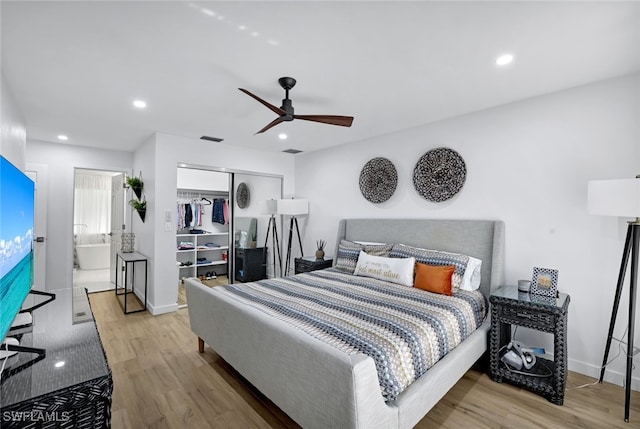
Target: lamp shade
point(620, 197)
point(293, 207)
point(270, 207)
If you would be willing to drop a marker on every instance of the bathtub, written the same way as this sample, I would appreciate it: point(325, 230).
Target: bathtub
point(94, 256)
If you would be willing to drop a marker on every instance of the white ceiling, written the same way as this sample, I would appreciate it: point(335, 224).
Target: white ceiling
point(76, 67)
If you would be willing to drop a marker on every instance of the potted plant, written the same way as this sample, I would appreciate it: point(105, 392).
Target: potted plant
point(140, 206)
point(320, 249)
point(136, 184)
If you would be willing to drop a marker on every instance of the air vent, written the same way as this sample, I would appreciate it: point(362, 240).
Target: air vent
point(293, 151)
point(212, 139)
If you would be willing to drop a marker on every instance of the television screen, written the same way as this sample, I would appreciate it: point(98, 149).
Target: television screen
point(16, 241)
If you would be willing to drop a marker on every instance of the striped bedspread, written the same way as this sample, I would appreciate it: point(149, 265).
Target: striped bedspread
point(403, 329)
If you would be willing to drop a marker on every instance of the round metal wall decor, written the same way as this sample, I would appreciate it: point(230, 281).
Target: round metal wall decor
point(378, 180)
point(439, 174)
point(242, 195)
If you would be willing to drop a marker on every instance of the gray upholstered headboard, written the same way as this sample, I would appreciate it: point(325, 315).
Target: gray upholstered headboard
point(482, 239)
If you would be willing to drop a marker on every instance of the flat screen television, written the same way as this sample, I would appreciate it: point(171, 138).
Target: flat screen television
point(16, 241)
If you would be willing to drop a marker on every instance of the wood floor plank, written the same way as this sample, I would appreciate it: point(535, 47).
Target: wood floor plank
point(161, 381)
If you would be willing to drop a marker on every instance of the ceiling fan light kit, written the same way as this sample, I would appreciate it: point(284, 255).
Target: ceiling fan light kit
point(286, 112)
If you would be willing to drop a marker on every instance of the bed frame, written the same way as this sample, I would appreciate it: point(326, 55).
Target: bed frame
point(321, 387)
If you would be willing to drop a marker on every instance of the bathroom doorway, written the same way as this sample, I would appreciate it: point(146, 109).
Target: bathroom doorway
point(98, 205)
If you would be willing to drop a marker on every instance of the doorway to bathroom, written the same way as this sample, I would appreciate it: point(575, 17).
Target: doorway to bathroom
point(98, 222)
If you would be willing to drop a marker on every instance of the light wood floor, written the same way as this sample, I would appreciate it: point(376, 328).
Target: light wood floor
point(161, 381)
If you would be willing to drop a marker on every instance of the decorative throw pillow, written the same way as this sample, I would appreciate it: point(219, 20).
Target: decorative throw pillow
point(472, 275)
point(462, 263)
point(434, 278)
point(394, 270)
point(348, 252)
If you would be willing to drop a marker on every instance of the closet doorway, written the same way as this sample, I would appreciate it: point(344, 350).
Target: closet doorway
point(222, 224)
point(98, 222)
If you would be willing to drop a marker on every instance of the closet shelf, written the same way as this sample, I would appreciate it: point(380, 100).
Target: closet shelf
point(221, 262)
point(214, 253)
point(208, 234)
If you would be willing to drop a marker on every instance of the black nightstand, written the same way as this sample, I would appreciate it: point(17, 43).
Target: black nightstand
point(310, 263)
point(251, 264)
point(510, 307)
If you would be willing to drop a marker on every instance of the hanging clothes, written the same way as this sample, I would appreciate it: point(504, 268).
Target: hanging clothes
point(218, 211)
point(188, 215)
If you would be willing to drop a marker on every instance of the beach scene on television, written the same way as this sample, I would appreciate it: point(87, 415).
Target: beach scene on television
point(16, 240)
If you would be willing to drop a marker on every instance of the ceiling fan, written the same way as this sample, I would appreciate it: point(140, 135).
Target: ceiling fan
point(285, 112)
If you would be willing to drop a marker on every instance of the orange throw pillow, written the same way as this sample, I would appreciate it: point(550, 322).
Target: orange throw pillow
point(434, 278)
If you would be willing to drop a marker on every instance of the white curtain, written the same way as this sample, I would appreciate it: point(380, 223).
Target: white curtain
point(92, 214)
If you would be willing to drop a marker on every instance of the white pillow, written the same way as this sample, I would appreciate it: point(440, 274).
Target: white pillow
point(472, 275)
point(394, 270)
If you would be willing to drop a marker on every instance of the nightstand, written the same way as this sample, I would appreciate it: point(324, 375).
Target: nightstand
point(251, 264)
point(512, 308)
point(310, 263)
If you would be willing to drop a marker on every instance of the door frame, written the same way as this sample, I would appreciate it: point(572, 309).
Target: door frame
point(127, 215)
point(41, 172)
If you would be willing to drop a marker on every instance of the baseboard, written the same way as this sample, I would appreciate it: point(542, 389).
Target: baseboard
point(155, 311)
point(611, 376)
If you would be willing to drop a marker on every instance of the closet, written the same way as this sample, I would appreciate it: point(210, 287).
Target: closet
point(202, 224)
point(202, 245)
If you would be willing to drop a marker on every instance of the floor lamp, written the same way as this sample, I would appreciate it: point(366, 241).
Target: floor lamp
point(293, 208)
point(621, 198)
point(272, 209)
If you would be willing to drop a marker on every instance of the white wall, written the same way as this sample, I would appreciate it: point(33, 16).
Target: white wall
point(158, 160)
point(13, 136)
point(528, 164)
point(62, 159)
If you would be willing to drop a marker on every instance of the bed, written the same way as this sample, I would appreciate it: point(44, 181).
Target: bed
point(321, 386)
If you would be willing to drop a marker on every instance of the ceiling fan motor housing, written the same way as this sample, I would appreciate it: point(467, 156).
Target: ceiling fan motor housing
point(287, 106)
point(287, 83)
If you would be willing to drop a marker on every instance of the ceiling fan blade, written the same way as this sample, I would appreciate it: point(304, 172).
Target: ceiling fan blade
point(276, 110)
point(271, 124)
point(343, 121)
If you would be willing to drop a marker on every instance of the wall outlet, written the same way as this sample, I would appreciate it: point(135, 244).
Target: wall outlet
point(167, 226)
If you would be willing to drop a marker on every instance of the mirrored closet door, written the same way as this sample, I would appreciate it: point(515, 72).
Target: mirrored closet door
point(256, 227)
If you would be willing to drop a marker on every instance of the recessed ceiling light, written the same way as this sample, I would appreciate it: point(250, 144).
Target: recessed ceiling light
point(140, 104)
point(505, 59)
point(59, 364)
point(63, 137)
point(242, 27)
point(282, 136)
point(255, 33)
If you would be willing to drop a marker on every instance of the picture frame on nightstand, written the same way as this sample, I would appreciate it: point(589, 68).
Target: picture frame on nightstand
point(544, 282)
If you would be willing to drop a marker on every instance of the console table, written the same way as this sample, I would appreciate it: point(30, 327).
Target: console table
point(128, 261)
point(71, 386)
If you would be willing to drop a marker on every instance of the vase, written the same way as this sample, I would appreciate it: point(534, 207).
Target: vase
point(142, 214)
point(138, 191)
point(319, 254)
point(128, 240)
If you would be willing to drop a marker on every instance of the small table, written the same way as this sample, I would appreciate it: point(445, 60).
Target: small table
point(310, 263)
point(510, 307)
point(130, 260)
